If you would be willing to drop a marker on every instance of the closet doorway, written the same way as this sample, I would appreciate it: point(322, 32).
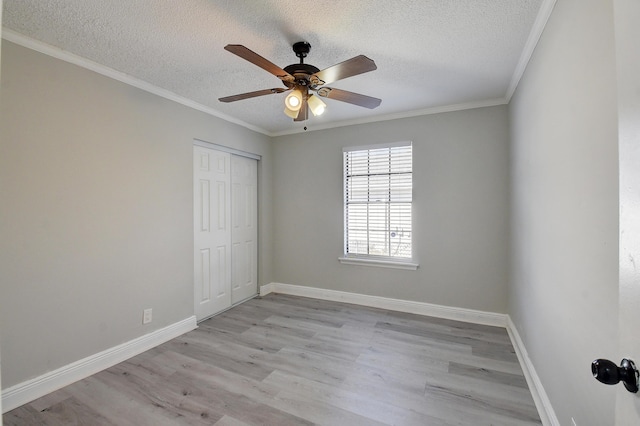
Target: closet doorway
point(225, 210)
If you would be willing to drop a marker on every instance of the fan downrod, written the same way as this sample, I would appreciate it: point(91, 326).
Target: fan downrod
point(302, 49)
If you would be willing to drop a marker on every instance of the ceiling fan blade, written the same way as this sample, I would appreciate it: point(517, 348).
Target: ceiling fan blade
point(304, 111)
point(252, 94)
point(349, 97)
point(354, 66)
point(258, 60)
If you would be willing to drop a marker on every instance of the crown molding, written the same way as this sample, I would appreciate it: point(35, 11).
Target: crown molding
point(397, 116)
point(530, 46)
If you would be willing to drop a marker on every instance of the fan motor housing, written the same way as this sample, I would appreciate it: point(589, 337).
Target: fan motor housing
point(301, 73)
point(304, 69)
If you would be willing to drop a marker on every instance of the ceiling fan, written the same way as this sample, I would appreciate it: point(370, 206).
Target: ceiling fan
point(301, 79)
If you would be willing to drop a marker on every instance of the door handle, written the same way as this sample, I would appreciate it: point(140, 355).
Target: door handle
point(609, 373)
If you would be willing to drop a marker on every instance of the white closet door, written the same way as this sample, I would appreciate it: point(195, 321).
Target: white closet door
point(212, 231)
point(244, 231)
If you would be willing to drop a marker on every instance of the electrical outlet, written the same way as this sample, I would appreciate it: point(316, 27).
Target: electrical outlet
point(146, 316)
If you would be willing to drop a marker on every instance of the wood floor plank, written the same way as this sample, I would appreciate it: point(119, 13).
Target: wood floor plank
point(280, 336)
point(228, 322)
point(72, 411)
point(276, 330)
point(446, 336)
point(488, 375)
point(288, 360)
point(493, 351)
point(376, 410)
point(216, 376)
point(238, 406)
point(409, 345)
point(119, 408)
point(490, 410)
point(419, 363)
point(249, 340)
point(338, 347)
point(42, 404)
point(414, 344)
point(214, 353)
point(123, 379)
point(319, 412)
point(454, 328)
point(25, 415)
point(503, 396)
point(298, 321)
point(230, 421)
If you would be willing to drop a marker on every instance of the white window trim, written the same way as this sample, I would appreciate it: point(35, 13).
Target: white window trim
point(379, 261)
point(376, 146)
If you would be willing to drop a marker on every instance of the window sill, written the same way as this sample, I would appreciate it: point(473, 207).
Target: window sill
point(381, 263)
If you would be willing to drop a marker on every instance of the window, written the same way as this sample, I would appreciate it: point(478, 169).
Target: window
point(377, 205)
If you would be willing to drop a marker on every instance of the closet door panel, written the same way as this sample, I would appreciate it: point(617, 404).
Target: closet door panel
point(212, 231)
point(244, 225)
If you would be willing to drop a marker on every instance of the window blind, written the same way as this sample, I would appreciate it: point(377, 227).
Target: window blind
point(377, 199)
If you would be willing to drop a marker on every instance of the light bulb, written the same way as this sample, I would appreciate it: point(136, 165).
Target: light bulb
point(294, 100)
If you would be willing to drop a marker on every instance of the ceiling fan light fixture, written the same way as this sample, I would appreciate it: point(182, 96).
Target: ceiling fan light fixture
point(316, 105)
point(293, 101)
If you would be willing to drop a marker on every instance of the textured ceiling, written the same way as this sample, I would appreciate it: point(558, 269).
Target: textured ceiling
point(430, 53)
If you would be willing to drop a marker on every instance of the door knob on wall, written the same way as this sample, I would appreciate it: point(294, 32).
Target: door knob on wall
point(609, 373)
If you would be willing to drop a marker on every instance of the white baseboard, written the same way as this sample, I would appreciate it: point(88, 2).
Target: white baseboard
point(419, 308)
point(266, 289)
point(25, 392)
point(545, 409)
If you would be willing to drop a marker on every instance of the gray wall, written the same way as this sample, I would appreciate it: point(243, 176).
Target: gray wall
point(96, 211)
point(564, 280)
point(460, 219)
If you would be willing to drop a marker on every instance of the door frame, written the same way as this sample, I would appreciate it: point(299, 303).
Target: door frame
point(626, 15)
point(223, 148)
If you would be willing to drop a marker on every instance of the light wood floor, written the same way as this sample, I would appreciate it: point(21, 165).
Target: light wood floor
point(284, 360)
